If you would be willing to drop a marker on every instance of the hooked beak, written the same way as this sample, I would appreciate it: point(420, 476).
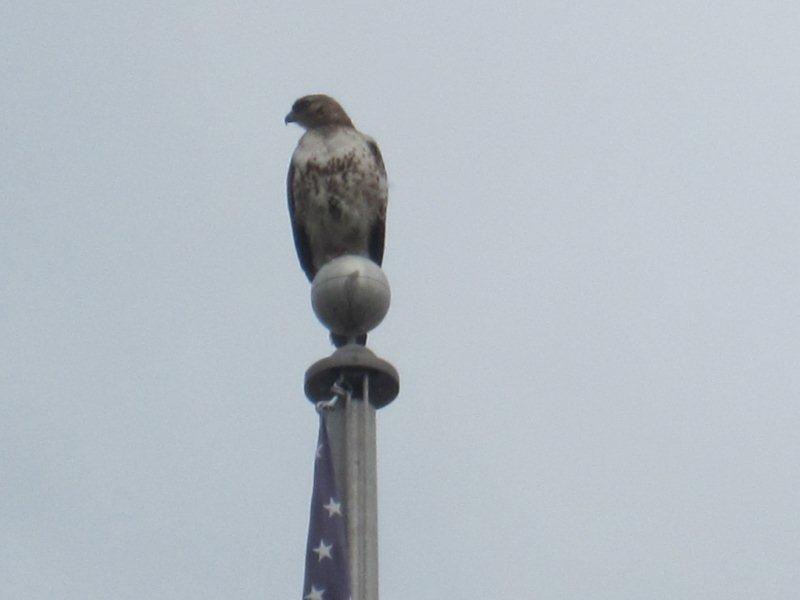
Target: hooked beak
point(290, 118)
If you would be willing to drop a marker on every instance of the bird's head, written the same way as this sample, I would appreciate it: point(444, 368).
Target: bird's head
point(317, 110)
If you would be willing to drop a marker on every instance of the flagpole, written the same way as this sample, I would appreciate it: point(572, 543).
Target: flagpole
point(347, 299)
point(351, 430)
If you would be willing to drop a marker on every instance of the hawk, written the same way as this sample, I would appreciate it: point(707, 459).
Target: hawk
point(336, 187)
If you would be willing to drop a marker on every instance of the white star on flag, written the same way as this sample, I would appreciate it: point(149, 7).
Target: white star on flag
point(323, 550)
point(333, 508)
point(314, 594)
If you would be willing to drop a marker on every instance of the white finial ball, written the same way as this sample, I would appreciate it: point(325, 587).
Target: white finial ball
point(350, 295)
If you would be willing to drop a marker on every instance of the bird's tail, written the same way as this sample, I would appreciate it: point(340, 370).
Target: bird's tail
point(340, 340)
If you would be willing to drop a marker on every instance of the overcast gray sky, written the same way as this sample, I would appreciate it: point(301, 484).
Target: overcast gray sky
point(593, 250)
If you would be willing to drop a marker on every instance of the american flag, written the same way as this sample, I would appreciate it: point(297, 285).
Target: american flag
point(327, 568)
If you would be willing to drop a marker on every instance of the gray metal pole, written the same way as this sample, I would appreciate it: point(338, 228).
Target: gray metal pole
point(350, 296)
point(351, 429)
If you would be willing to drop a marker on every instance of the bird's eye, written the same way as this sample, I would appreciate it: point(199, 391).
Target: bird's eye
point(300, 105)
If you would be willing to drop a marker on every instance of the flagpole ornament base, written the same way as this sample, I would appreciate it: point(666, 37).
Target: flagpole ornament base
point(350, 296)
point(353, 362)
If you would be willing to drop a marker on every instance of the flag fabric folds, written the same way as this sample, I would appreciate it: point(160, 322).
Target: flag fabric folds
point(327, 569)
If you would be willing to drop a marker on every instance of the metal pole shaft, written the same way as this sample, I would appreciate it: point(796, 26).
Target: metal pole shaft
point(351, 428)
